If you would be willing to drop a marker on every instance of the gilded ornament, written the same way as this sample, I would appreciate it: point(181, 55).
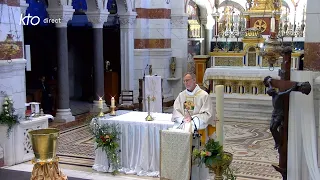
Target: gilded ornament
point(173, 66)
point(260, 24)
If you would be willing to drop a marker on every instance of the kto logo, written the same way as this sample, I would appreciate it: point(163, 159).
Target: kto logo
point(35, 20)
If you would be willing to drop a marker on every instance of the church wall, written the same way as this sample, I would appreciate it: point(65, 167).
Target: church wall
point(152, 42)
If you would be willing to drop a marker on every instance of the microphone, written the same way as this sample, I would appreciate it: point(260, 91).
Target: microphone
point(144, 72)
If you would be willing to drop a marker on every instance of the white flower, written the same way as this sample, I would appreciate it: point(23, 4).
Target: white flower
point(6, 98)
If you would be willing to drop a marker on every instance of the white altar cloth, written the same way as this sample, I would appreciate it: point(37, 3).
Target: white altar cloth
point(139, 143)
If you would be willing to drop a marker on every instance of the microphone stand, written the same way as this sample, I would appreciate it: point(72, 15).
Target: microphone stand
point(196, 143)
point(144, 72)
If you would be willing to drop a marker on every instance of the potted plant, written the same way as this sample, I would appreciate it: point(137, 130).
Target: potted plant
point(8, 116)
point(214, 158)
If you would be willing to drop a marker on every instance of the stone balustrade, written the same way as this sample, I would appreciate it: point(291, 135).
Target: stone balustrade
point(253, 87)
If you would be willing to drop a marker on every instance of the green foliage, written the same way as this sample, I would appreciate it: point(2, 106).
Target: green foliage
point(213, 155)
point(8, 116)
point(107, 137)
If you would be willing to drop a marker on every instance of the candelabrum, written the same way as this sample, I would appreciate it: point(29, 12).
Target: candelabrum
point(113, 111)
point(149, 117)
point(216, 48)
point(237, 49)
point(226, 35)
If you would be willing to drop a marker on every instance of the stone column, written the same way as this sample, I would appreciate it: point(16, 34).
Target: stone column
point(312, 56)
point(97, 19)
point(127, 25)
point(203, 22)
point(179, 43)
point(207, 26)
point(65, 13)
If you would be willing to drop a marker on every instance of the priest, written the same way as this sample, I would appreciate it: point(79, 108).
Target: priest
point(193, 105)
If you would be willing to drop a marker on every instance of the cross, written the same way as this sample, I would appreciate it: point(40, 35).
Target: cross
point(280, 102)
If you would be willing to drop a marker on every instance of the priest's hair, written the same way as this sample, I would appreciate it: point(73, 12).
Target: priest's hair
point(191, 74)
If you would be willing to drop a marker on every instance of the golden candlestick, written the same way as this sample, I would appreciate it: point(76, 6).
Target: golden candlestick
point(101, 114)
point(113, 112)
point(149, 117)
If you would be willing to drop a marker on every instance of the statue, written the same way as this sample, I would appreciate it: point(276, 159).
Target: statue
point(107, 65)
point(173, 66)
point(263, 5)
point(276, 124)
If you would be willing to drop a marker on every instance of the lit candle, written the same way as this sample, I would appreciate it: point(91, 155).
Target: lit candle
point(100, 105)
point(219, 90)
point(112, 102)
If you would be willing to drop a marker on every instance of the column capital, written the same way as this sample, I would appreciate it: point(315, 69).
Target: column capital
point(179, 21)
point(63, 14)
point(127, 21)
point(203, 20)
point(23, 6)
point(98, 18)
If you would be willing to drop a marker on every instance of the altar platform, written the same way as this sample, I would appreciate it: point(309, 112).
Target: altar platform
point(139, 142)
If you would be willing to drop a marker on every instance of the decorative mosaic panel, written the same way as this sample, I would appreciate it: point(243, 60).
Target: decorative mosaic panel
point(228, 61)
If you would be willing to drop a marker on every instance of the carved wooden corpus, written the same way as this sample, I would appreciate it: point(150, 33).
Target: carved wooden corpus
point(283, 85)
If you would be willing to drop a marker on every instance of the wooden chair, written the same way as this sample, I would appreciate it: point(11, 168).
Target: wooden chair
point(126, 98)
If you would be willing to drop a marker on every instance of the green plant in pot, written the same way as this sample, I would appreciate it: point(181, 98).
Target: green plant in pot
point(214, 158)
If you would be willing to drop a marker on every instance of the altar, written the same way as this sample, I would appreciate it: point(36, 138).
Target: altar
point(139, 142)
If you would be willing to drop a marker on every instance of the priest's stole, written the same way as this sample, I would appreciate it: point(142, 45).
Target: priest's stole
point(175, 155)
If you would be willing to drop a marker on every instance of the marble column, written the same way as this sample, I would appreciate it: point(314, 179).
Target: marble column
point(127, 26)
point(203, 22)
point(65, 13)
point(179, 46)
point(97, 20)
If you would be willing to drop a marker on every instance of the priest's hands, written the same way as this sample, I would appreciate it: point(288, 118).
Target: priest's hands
point(187, 118)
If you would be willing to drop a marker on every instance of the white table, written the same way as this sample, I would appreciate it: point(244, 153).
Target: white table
point(139, 143)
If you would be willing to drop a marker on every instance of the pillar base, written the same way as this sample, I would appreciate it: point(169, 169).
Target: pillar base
point(95, 107)
point(64, 115)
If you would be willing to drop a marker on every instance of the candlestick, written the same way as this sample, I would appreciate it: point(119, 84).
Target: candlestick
point(112, 101)
point(219, 90)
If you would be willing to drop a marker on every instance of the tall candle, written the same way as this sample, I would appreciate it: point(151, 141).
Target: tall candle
point(100, 105)
point(219, 90)
point(272, 23)
point(112, 102)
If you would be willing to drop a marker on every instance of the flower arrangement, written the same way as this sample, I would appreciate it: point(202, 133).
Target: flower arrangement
point(107, 137)
point(214, 158)
point(8, 116)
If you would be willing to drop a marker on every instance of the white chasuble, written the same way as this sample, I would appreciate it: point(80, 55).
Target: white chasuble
point(198, 104)
point(152, 89)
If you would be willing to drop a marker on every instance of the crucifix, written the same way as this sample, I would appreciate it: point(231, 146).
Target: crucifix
point(280, 102)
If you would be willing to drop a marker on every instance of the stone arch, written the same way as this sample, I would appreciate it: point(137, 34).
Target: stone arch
point(232, 3)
